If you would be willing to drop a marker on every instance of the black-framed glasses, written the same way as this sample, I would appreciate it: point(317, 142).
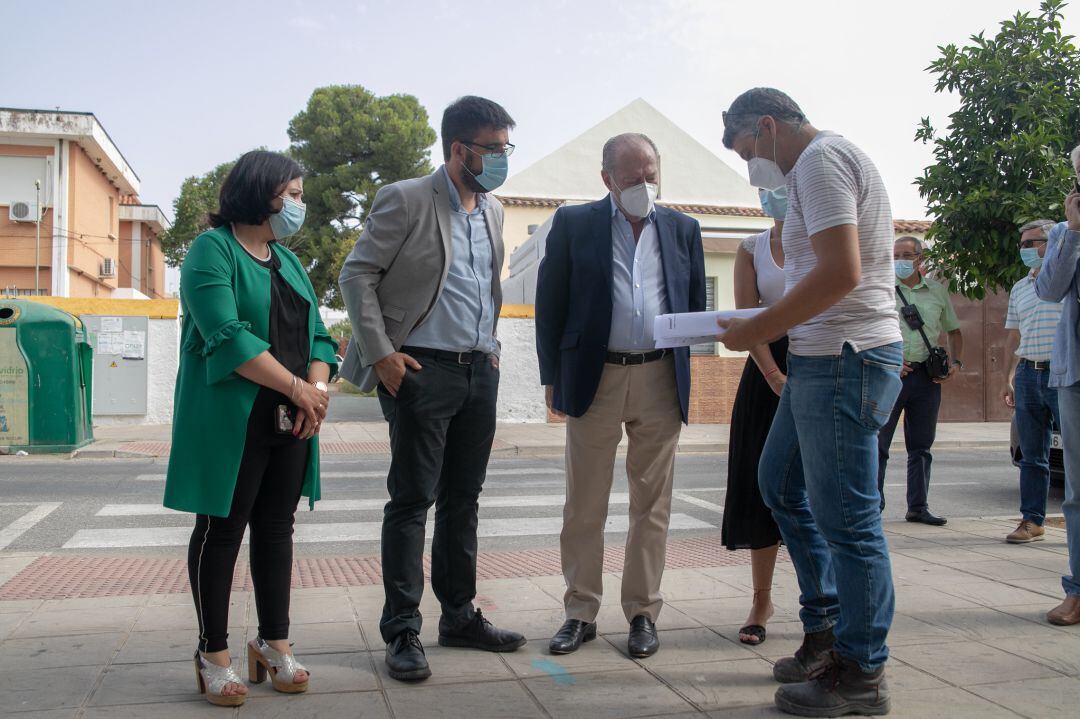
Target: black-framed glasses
point(1025, 244)
point(495, 150)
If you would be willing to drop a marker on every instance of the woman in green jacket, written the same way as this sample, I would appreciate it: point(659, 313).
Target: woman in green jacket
point(250, 398)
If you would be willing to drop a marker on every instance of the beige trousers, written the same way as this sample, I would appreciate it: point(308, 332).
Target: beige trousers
point(645, 398)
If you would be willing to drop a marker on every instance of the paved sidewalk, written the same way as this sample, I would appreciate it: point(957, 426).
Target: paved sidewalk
point(511, 439)
point(969, 640)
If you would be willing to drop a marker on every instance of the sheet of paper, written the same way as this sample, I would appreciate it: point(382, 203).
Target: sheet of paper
point(112, 324)
point(134, 344)
point(693, 328)
point(110, 343)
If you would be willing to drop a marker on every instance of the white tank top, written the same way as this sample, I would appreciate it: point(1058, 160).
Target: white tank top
point(770, 277)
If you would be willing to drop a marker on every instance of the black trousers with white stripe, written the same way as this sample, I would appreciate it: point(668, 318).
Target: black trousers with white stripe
point(267, 489)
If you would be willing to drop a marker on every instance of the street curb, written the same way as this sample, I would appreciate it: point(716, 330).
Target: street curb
point(548, 450)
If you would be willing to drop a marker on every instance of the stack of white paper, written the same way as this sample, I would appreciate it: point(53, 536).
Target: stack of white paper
point(693, 328)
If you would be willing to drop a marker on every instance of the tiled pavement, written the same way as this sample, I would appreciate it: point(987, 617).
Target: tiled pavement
point(969, 640)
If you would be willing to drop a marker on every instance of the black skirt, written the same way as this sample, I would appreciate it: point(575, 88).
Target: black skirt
point(748, 523)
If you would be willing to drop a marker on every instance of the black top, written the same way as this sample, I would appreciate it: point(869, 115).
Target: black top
point(288, 320)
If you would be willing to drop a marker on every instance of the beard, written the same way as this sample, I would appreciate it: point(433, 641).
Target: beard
point(470, 180)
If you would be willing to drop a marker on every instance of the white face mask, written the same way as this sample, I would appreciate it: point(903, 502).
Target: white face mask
point(637, 201)
point(765, 174)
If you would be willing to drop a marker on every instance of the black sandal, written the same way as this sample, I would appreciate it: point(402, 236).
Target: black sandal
point(754, 630)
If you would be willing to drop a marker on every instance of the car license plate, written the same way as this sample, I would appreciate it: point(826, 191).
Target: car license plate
point(1055, 441)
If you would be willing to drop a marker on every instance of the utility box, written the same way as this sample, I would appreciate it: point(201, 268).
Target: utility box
point(45, 379)
point(120, 366)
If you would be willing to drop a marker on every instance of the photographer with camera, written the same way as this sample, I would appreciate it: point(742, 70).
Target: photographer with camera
point(925, 312)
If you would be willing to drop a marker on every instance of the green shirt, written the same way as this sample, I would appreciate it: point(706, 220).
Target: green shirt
point(932, 299)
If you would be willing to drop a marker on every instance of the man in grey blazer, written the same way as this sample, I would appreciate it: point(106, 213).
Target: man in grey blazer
point(422, 290)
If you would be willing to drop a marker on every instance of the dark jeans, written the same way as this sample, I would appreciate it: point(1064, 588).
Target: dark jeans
point(919, 400)
point(267, 489)
point(1036, 414)
point(442, 424)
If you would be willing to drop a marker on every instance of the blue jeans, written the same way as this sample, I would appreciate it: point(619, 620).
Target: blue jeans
point(1036, 413)
point(1069, 402)
point(818, 475)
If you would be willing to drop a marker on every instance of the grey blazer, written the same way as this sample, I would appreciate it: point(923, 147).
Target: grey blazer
point(393, 277)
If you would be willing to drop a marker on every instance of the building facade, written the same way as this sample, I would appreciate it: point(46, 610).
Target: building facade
point(70, 216)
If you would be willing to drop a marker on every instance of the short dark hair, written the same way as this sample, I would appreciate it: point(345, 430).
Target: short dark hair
point(466, 115)
point(754, 104)
point(251, 186)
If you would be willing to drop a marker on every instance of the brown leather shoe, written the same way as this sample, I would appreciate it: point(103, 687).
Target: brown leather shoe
point(1067, 613)
point(1026, 532)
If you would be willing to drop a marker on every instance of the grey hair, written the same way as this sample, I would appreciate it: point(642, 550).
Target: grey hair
point(1075, 156)
point(612, 146)
point(1043, 225)
point(919, 247)
point(754, 104)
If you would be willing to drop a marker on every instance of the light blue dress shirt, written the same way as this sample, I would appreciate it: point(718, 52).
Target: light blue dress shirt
point(464, 317)
point(638, 291)
point(1058, 280)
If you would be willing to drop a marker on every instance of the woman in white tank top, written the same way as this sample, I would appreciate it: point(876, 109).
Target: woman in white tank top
point(748, 523)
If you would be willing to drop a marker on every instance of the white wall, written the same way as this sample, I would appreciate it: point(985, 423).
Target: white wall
point(521, 398)
point(162, 361)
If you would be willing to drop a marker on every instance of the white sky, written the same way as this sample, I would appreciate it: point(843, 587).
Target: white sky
point(183, 87)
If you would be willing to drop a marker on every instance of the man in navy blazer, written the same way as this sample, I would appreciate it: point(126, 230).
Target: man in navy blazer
point(610, 268)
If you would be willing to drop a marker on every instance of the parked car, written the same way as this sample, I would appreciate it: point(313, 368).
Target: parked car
point(1057, 456)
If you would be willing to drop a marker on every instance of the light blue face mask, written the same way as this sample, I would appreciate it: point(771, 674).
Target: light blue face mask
point(904, 268)
point(1030, 257)
point(495, 170)
point(774, 202)
point(289, 220)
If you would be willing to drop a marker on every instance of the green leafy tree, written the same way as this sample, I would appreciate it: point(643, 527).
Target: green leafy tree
point(350, 143)
point(1004, 159)
point(197, 199)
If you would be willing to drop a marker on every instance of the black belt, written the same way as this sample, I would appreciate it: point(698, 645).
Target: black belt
point(633, 358)
point(457, 357)
point(1037, 366)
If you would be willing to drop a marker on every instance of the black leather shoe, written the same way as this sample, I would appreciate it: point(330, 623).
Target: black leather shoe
point(571, 635)
point(924, 516)
point(479, 633)
point(405, 658)
point(642, 641)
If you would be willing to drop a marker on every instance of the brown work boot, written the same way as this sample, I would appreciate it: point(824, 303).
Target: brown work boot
point(1026, 532)
point(1067, 613)
point(809, 658)
point(840, 687)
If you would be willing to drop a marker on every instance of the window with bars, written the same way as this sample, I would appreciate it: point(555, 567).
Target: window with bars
point(707, 348)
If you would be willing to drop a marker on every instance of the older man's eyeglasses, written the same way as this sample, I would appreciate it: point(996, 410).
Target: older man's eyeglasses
point(1035, 242)
point(491, 150)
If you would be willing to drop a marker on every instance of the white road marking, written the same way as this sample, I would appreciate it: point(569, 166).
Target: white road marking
point(935, 484)
point(14, 530)
point(698, 502)
point(381, 474)
point(363, 505)
point(349, 531)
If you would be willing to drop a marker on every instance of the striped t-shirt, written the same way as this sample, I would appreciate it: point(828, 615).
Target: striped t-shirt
point(1036, 319)
point(834, 183)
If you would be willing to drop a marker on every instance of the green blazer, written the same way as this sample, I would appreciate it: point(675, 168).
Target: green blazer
point(225, 301)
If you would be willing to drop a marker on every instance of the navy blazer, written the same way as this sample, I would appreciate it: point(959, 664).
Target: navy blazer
point(573, 298)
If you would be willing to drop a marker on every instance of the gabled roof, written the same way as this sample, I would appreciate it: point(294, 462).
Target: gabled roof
point(690, 174)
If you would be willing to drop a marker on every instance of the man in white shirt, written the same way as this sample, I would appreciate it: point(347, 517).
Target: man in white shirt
point(818, 472)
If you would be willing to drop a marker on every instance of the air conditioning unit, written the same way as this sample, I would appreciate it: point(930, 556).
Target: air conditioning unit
point(19, 211)
point(108, 267)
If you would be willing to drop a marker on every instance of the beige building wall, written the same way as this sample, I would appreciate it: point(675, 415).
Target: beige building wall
point(516, 222)
point(93, 226)
point(18, 238)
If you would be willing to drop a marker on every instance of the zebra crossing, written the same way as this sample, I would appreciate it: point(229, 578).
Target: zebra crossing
point(312, 529)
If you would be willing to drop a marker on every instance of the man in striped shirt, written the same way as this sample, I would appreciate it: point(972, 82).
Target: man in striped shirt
point(1031, 323)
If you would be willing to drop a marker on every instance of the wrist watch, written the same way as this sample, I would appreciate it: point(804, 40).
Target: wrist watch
point(321, 386)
